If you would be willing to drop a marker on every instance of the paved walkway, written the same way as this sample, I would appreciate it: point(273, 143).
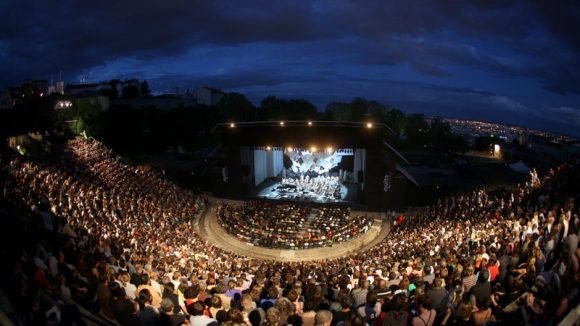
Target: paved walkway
point(209, 229)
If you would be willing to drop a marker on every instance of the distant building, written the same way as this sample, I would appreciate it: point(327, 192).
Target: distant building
point(59, 88)
point(208, 95)
point(13, 96)
point(36, 87)
point(70, 101)
point(82, 89)
point(63, 104)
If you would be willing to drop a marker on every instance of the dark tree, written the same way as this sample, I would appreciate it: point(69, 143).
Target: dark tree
point(416, 130)
point(442, 137)
point(145, 91)
point(130, 91)
point(359, 109)
point(397, 120)
point(338, 111)
point(236, 107)
point(273, 108)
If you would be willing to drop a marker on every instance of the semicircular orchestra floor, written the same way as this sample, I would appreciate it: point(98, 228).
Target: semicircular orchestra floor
point(208, 228)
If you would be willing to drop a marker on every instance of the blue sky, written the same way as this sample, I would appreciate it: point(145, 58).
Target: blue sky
point(515, 62)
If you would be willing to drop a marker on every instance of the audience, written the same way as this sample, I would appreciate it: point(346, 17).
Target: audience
point(118, 241)
point(291, 226)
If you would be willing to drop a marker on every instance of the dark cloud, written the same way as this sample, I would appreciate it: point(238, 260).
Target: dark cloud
point(44, 37)
point(76, 34)
point(310, 45)
point(562, 20)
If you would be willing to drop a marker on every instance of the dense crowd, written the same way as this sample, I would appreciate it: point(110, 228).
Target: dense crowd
point(291, 226)
point(120, 242)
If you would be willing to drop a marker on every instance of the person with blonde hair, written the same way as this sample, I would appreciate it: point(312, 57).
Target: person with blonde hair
point(248, 303)
point(272, 317)
point(286, 309)
point(130, 289)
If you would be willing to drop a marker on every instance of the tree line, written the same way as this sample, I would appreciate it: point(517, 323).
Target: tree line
point(129, 129)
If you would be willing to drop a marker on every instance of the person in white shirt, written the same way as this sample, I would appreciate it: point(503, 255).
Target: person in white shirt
point(198, 318)
point(130, 289)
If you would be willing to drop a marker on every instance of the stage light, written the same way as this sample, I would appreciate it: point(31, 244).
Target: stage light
point(329, 150)
point(313, 149)
point(369, 125)
point(282, 123)
point(289, 149)
point(268, 148)
point(232, 125)
point(310, 123)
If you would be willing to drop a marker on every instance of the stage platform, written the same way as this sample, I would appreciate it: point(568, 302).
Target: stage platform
point(272, 190)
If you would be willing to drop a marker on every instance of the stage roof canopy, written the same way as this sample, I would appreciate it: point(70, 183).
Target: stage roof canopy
point(303, 134)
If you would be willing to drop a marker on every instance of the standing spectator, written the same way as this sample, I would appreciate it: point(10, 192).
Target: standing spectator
point(148, 314)
point(426, 315)
point(396, 315)
point(482, 289)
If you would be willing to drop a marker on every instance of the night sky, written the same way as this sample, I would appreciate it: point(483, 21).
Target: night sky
point(515, 62)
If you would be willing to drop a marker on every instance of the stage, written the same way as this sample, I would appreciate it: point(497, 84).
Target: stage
point(258, 155)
